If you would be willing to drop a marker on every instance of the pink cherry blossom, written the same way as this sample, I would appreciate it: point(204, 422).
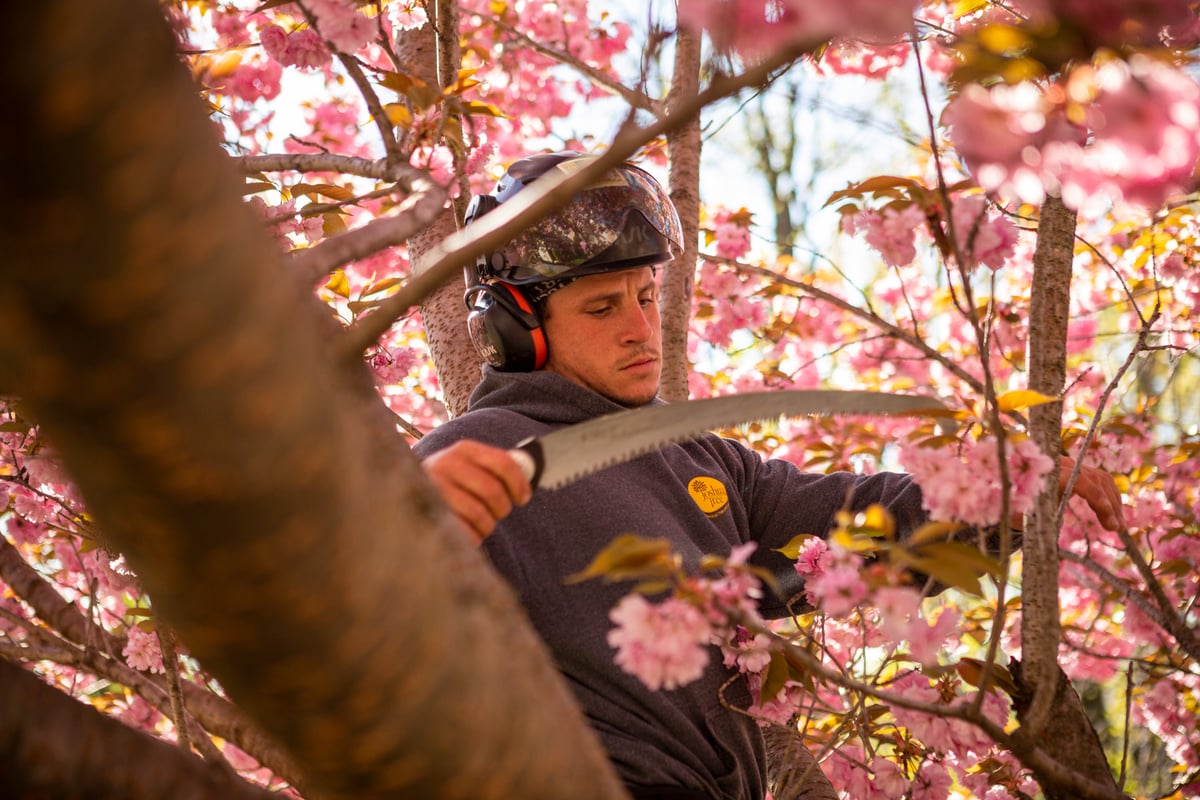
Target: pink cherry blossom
point(983, 236)
point(887, 778)
point(892, 232)
point(811, 560)
point(142, 651)
point(752, 27)
point(407, 16)
point(662, 645)
point(340, 22)
point(964, 484)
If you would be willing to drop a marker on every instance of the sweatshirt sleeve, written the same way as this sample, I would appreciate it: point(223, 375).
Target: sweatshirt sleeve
point(783, 502)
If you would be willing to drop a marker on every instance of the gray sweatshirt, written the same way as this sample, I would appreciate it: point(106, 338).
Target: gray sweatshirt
point(682, 737)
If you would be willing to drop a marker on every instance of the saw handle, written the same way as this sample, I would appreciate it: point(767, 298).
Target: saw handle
point(528, 454)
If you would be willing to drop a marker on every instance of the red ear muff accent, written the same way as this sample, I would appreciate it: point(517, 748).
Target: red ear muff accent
point(505, 328)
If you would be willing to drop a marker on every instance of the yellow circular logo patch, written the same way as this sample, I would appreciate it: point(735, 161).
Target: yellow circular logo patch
point(709, 494)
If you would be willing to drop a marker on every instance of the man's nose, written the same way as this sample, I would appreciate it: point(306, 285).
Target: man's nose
point(638, 327)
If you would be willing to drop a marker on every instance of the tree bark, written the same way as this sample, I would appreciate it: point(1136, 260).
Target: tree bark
point(259, 489)
point(1067, 736)
point(1048, 707)
point(1050, 302)
point(433, 54)
point(73, 751)
point(684, 184)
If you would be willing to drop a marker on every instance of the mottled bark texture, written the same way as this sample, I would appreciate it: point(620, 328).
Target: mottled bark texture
point(430, 53)
point(1067, 737)
point(255, 483)
point(1048, 707)
point(684, 145)
point(71, 751)
point(792, 771)
point(1050, 300)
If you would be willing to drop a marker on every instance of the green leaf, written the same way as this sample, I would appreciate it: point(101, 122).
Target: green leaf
point(629, 556)
point(776, 677)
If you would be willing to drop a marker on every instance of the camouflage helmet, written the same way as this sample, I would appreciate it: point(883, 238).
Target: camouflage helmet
point(623, 220)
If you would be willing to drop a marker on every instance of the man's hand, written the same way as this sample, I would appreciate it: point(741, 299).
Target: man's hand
point(481, 484)
point(1098, 489)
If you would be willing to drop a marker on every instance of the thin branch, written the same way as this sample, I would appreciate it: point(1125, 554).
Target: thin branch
point(1019, 742)
point(170, 659)
point(867, 316)
point(382, 123)
point(418, 211)
point(1118, 584)
point(398, 172)
point(537, 201)
point(600, 78)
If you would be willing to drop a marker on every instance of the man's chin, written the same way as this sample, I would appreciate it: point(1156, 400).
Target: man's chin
point(636, 396)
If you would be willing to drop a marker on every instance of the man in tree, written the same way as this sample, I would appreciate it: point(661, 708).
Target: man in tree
point(566, 314)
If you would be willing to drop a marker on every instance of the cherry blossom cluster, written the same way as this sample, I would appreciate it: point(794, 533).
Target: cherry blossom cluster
point(965, 483)
point(667, 644)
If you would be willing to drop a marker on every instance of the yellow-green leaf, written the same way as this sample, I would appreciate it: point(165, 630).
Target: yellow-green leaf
point(1001, 38)
point(381, 286)
point(964, 7)
point(792, 548)
point(1021, 399)
point(398, 115)
point(339, 284)
point(629, 556)
point(332, 191)
point(332, 224)
point(932, 532)
point(400, 82)
point(776, 678)
point(478, 108)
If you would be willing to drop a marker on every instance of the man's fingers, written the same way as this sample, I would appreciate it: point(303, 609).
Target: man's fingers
point(480, 483)
point(1098, 489)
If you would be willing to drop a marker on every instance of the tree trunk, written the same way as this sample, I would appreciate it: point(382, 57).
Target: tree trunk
point(432, 53)
point(1067, 736)
point(260, 490)
point(1048, 708)
point(684, 184)
point(1050, 302)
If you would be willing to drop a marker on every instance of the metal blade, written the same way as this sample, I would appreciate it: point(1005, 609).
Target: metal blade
point(566, 455)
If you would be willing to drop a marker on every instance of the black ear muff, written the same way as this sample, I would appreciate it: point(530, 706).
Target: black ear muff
point(505, 328)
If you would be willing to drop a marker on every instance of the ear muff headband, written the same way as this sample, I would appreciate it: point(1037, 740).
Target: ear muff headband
point(505, 328)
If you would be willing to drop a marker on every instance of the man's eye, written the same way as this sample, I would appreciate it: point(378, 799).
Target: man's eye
point(598, 312)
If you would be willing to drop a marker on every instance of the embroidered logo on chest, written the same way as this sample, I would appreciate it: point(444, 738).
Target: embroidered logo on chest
point(709, 494)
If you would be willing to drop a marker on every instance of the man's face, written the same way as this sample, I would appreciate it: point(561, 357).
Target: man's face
point(603, 332)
